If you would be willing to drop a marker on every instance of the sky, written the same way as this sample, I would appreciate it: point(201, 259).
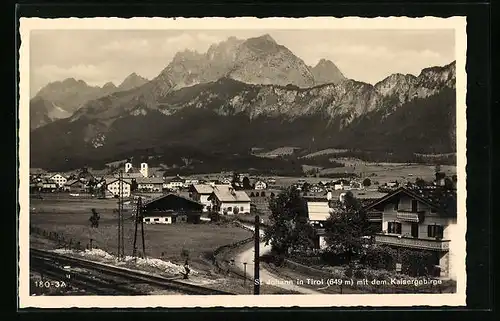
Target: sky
point(100, 56)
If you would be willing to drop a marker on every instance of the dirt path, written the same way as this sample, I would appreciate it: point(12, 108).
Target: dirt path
point(267, 277)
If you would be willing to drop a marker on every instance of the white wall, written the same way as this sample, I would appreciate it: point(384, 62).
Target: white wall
point(161, 220)
point(244, 205)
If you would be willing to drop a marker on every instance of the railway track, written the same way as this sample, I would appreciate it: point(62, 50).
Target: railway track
point(52, 264)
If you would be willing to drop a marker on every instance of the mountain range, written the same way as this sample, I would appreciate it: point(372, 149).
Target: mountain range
point(246, 93)
point(60, 99)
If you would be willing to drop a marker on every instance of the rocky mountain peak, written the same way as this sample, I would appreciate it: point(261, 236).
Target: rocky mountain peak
point(109, 84)
point(132, 81)
point(326, 72)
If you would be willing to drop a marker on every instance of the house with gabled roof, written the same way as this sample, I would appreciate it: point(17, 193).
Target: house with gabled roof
point(226, 200)
point(149, 184)
point(202, 192)
point(172, 208)
point(117, 187)
point(420, 220)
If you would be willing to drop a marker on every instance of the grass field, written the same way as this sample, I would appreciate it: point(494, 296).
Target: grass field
point(71, 218)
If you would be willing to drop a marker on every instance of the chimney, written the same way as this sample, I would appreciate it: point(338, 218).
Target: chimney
point(128, 166)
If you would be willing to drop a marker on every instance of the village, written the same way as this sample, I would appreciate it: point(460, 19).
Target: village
point(404, 215)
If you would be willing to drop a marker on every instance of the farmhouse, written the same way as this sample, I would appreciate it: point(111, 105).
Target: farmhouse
point(149, 184)
point(175, 183)
point(113, 186)
point(225, 200)
point(58, 179)
point(421, 220)
point(172, 208)
point(75, 186)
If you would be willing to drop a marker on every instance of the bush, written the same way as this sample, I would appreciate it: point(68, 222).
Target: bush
point(359, 274)
point(379, 257)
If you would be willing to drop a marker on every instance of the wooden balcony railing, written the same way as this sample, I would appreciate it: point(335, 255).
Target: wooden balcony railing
point(415, 243)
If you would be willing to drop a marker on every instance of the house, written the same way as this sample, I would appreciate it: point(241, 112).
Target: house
point(201, 194)
point(75, 186)
point(149, 184)
point(172, 208)
point(118, 187)
point(191, 181)
point(175, 183)
point(59, 179)
point(318, 211)
point(225, 200)
point(260, 185)
point(418, 220)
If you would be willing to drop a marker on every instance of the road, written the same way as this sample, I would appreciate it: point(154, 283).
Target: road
point(267, 277)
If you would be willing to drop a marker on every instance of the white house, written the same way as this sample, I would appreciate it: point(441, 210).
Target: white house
point(49, 185)
point(225, 200)
point(59, 180)
point(412, 220)
point(149, 184)
point(175, 183)
point(202, 192)
point(318, 212)
point(260, 185)
point(113, 186)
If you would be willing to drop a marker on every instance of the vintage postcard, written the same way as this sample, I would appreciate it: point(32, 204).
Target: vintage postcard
point(242, 162)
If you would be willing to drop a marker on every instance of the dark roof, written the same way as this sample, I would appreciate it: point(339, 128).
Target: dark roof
point(399, 191)
point(180, 203)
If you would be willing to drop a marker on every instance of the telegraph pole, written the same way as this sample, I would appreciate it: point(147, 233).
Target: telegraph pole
point(121, 214)
point(119, 223)
point(139, 219)
point(256, 283)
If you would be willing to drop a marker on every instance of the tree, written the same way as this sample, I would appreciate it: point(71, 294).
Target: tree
point(305, 187)
point(235, 181)
point(367, 182)
point(246, 183)
point(420, 182)
point(288, 230)
point(346, 227)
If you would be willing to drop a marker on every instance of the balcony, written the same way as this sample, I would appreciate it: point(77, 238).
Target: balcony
point(414, 243)
point(410, 216)
point(374, 216)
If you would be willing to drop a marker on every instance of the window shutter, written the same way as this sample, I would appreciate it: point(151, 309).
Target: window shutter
point(429, 230)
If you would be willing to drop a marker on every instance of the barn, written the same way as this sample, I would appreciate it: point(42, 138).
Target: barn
point(172, 208)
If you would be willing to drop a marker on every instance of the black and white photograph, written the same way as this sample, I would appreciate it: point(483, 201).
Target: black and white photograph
point(242, 162)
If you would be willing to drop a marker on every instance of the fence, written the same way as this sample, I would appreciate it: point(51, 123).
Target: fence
point(61, 240)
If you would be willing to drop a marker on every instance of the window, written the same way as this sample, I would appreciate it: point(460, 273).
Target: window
point(433, 210)
point(229, 208)
point(147, 219)
point(263, 194)
point(435, 231)
point(414, 205)
point(156, 219)
point(394, 227)
point(396, 205)
point(414, 229)
point(241, 208)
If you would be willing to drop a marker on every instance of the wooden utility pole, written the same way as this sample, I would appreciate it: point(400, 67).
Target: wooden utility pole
point(139, 220)
point(256, 274)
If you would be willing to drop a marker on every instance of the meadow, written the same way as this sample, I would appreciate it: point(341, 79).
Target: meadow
point(70, 217)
